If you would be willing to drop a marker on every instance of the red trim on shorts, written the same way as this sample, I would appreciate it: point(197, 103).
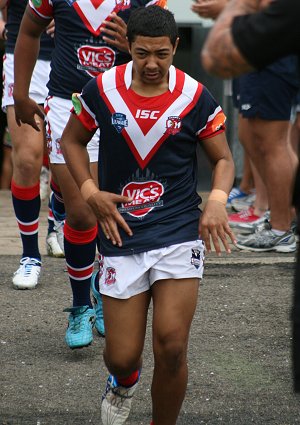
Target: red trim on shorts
point(80, 237)
point(25, 193)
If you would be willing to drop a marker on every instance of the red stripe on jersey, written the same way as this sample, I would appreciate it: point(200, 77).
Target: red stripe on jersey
point(93, 7)
point(177, 101)
point(25, 193)
point(153, 107)
point(79, 237)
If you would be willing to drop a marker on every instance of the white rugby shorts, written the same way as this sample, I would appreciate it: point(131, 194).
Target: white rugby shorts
point(57, 115)
point(126, 276)
point(37, 89)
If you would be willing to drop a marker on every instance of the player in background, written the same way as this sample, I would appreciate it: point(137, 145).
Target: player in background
point(27, 151)
point(151, 117)
point(90, 38)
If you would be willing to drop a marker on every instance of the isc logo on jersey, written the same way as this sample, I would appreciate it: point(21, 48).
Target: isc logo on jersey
point(146, 196)
point(94, 60)
point(146, 114)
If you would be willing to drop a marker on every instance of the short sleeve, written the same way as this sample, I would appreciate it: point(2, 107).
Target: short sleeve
point(83, 106)
point(211, 116)
point(42, 8)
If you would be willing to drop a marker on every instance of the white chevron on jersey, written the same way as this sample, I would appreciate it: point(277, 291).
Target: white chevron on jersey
point(93, 12)
point(144, 145)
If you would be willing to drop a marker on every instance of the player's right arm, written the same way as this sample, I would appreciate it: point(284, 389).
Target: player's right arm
point(25, 56)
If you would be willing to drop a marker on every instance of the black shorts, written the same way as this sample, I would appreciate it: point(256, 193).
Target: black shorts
point(264, 95)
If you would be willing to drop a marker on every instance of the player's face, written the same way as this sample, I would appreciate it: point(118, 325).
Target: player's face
point(152, 58)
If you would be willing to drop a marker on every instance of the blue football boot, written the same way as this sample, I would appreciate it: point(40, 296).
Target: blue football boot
point(80, 328)
point(98, 306)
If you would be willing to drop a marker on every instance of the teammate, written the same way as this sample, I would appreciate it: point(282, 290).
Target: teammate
point(27, 149)
point(151, 117)
point(247, 37)
point(90, 38)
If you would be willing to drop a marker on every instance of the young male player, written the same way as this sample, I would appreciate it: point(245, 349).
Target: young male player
point(151, 117)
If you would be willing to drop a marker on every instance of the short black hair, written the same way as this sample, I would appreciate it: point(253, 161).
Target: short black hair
point(152, 21)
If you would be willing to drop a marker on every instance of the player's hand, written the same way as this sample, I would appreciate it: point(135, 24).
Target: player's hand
point(104, 205)
point(214, 224)
point(115, 31)
point(26, 111)
point(208, 8)
point(51, 29)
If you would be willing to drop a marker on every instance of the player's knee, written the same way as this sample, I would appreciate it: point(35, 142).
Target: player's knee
point(81, 217)
point(28, 169)
point(170, 352)
point(122, 364)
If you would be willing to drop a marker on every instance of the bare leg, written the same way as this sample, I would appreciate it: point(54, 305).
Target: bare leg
point(174, 303)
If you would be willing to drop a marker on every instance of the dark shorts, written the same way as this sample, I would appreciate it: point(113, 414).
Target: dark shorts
point(263, 95)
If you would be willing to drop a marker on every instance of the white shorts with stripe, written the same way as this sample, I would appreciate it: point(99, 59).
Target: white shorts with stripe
point(57, 115)
point(37, 90)
point(126, 276)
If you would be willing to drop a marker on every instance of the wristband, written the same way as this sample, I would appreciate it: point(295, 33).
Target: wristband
point(218, 195)
point(88, 188)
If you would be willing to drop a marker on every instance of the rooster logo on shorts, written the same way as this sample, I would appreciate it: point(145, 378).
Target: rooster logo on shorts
point(195, 259)
point(110, 276)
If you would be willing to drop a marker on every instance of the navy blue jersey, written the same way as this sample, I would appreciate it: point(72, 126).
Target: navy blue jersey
point(148, 152)
point(15, 11)
point(80, 51)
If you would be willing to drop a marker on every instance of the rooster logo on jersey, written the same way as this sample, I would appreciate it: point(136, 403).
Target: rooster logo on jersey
point(173, 125)
point(122, 5)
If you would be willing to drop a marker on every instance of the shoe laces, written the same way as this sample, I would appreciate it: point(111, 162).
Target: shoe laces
point(28, 266)
point(59, 226)
point(76, 318)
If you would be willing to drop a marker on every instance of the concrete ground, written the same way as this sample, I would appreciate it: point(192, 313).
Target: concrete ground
point(239, 353)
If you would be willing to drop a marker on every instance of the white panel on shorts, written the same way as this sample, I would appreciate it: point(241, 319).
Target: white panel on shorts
point(126, 276)
point(57, 116)
point(37, 90)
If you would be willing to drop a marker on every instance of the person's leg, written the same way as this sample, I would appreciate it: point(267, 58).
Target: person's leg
point(270, 155)
point(6, 172)
point(125, 328)
point(247, 136)
point(247, 182)
point(80, 228)
point(80, 232)
point(247, 219)
point(27, 154)
point(174, 303)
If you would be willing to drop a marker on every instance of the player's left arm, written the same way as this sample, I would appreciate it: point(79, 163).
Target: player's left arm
point(214, 220)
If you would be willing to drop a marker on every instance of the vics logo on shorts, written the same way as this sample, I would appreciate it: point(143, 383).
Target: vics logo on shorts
point(94, 60)
point(146, 196)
